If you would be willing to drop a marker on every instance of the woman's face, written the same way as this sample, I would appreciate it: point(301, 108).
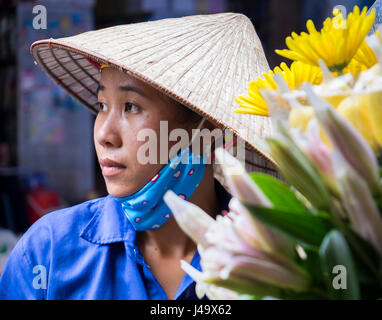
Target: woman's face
point(128, 105)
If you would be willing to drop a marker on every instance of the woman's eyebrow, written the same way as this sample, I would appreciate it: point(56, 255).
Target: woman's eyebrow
point(123, 88)
point(132, 88)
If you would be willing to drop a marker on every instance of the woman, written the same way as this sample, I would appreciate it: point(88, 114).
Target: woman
point(128, 245)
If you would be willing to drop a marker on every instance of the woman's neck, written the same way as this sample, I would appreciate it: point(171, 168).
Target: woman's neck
point(170, 240)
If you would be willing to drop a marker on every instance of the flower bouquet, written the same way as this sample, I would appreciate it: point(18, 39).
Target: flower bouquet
point(318, 233)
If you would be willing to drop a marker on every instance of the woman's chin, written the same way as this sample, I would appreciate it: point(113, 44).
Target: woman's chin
point(118, 191)
point(119, 188)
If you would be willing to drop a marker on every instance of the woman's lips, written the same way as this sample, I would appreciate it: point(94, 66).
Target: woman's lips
point(111, 171)
point(111, 167)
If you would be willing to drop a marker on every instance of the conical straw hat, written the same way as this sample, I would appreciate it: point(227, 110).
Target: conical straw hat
point(202, 61)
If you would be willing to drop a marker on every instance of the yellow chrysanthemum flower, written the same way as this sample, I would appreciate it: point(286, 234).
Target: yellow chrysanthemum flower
point(365, 55)
point(336, 43)
point(294, 76)
point(354, 67)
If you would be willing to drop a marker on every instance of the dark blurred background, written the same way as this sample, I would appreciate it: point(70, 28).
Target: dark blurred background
point(47, 157)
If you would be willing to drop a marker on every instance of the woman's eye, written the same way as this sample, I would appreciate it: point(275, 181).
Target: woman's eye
point(130, 107)
point(101, 106)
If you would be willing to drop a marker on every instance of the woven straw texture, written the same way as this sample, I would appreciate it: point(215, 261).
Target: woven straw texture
point(202, 61)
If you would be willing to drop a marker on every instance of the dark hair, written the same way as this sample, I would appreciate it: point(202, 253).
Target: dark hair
point(186, 114)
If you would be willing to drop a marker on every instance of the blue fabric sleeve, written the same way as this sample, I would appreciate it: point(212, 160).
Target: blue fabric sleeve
point(25, 275)
point(16, 280)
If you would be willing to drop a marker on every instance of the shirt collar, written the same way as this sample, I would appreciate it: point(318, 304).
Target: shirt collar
point(109, 224)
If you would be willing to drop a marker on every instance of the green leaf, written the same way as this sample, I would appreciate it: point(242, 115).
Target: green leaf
point(339, 268)
point(301, 225)
point(280, 194)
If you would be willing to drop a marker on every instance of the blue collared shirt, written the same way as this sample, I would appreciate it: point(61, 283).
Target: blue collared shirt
point(87, 251)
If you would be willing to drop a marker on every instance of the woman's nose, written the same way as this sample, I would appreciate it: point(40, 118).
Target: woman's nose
point(107, 132)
